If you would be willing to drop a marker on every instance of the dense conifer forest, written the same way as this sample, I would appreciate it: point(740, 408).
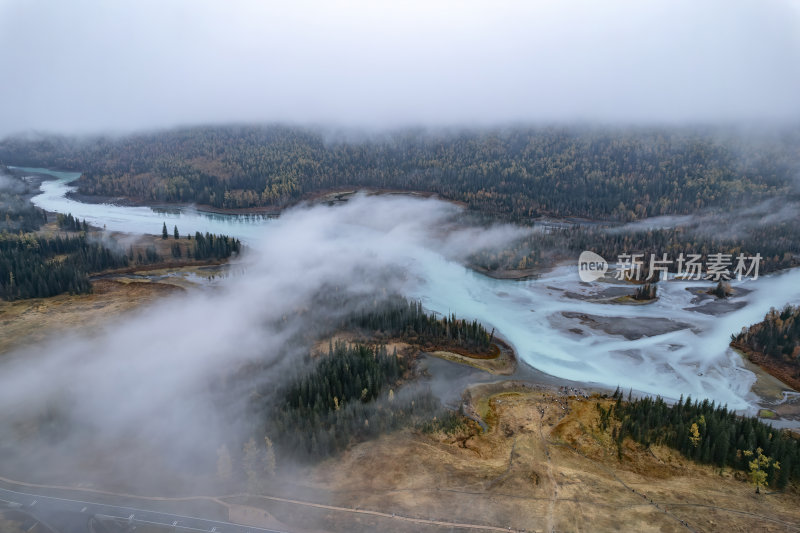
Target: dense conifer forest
point(70, 223)
point(36, 266)
point(516, 173)
point(777, 336)
point(347, 397)
point(210, 246)
point(774, 343)
point(406, 319)
point(705, 432)
point(33, 266)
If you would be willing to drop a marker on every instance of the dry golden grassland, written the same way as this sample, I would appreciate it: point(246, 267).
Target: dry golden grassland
point(543, 465)
point(25, 322)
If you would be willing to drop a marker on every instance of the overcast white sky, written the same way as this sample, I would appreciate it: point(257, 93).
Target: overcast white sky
point(84, 66)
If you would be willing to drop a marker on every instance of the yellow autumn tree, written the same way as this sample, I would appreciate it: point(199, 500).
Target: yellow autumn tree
point(695, 430)
point(758, 468)
point(694, 434)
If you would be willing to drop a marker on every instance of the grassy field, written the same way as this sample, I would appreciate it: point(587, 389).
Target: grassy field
point(26, 322)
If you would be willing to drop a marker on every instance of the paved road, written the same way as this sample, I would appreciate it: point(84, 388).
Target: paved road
point(72, 516)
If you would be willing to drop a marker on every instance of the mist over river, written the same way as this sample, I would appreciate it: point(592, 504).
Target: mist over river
point(683, 348)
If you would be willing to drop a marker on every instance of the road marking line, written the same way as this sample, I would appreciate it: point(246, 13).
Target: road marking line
point(84, 509)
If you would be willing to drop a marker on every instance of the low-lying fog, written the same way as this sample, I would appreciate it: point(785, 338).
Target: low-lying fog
point(154, 389)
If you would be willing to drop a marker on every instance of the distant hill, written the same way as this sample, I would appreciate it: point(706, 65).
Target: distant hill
point(517, 173)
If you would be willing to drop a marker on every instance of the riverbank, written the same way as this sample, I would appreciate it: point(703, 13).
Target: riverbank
point(328, 196)
point(502, 362)
point(127, 201)
point(787, 373)
point(514, 275)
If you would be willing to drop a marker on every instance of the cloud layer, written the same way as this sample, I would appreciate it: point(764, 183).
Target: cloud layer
point(91, 65)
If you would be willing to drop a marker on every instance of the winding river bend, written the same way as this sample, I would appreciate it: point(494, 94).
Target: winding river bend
point(681, 347)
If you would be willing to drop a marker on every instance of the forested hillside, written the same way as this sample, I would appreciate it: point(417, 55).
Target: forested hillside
point(710, 434)
point(774, 343)
point(778, 243)
point(516, 173)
